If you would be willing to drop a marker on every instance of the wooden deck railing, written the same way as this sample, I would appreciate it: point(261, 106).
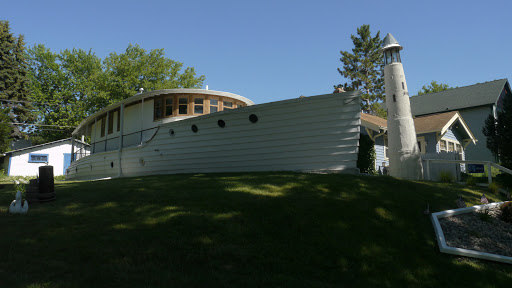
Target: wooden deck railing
point(488, 163)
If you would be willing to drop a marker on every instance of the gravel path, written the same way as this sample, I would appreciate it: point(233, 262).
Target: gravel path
point(470, 231)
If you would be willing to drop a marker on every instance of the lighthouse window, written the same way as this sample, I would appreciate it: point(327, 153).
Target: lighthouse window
point(394, 98)
point(388, 57)
point(183, 106)
point(403, 87)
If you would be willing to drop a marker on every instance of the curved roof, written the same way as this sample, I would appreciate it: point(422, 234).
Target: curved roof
point(154, 93)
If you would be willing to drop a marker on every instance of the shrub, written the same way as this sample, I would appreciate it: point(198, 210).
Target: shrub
point(471, 181)
point(446, 176)
point(506, 212)
point(494, 187)
point(485, 215)
point(366, 156)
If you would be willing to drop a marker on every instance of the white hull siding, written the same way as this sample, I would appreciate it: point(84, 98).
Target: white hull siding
point(319, 133)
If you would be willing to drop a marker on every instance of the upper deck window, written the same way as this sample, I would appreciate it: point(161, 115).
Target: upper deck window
point(169, 107)
point(198, 105)
point(183, 106)
point(214, 105)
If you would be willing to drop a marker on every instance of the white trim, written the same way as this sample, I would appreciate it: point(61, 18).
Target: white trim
point(138, 97)
point(444, 248)
point(464, 125)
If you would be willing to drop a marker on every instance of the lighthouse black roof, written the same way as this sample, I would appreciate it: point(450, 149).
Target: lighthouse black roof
point(390, 41)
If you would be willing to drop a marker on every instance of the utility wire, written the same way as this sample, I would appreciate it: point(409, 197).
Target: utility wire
point(21, 101)
point(44, 125)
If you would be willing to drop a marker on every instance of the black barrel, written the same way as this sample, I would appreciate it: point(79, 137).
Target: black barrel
point(46, 181)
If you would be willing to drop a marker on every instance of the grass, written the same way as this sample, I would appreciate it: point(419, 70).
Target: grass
point(238, 230)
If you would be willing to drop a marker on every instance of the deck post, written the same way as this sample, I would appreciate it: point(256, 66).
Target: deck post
point(95, 127)
point(141, 120)
point(489, 172)
point(428, 169)
point(72, 146)
point(106, 128)
point(121, 128)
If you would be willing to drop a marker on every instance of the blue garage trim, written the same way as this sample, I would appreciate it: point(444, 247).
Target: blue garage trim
point(9, 167)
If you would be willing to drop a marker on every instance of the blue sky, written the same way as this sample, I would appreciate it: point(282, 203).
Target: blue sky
point(275, 50)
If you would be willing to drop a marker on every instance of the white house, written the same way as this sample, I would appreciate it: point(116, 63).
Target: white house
point(26, 161)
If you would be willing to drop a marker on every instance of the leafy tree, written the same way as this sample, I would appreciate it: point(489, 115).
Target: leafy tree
point(14, 82)
point(126, 73)
point(433, 87)
point(73, 84)
point(64, 86)
point(364, 68)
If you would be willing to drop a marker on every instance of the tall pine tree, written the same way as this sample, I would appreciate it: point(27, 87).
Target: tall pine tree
point(364, 68)
point(14, 82)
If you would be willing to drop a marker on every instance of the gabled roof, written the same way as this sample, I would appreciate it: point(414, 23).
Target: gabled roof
point(423, 124)
point(374, 122)
point(45, 144)
point(458, 98)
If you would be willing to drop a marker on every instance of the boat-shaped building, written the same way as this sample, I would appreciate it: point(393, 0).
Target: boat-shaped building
point(201, 131)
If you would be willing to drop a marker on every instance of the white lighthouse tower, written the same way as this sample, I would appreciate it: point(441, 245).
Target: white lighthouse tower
point(404, 154)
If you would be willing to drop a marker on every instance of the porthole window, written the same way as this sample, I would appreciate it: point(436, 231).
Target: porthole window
point(171, 132)
point(111, 164)
point(253, 118)
point(194, 128)
point(221, 123)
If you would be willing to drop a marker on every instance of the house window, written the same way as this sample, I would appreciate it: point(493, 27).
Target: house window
point(451, 146)
point(169, 106)
point(198, 105)
point(183, 106)
point(214, 105)
point(442, 145)
point(37, 158)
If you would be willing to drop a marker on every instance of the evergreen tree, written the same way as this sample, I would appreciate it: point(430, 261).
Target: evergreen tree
point(5, 131)
point(14, 82)
point(433, 87)
point(499, 133)
point(364, 69)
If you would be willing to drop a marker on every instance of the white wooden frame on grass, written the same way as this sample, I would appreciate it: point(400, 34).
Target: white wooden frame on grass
point(444, 248)
point(488, 163)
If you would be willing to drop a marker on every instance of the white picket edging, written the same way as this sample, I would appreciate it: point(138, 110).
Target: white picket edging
point(444, 248)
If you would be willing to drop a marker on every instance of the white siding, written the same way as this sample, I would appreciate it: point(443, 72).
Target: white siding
point(307, 134)
point(20, 165)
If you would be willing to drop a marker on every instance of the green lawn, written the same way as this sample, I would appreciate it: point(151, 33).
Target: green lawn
point(238, 230)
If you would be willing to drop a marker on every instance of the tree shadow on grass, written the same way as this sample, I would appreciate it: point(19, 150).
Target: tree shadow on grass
point(258, 229)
